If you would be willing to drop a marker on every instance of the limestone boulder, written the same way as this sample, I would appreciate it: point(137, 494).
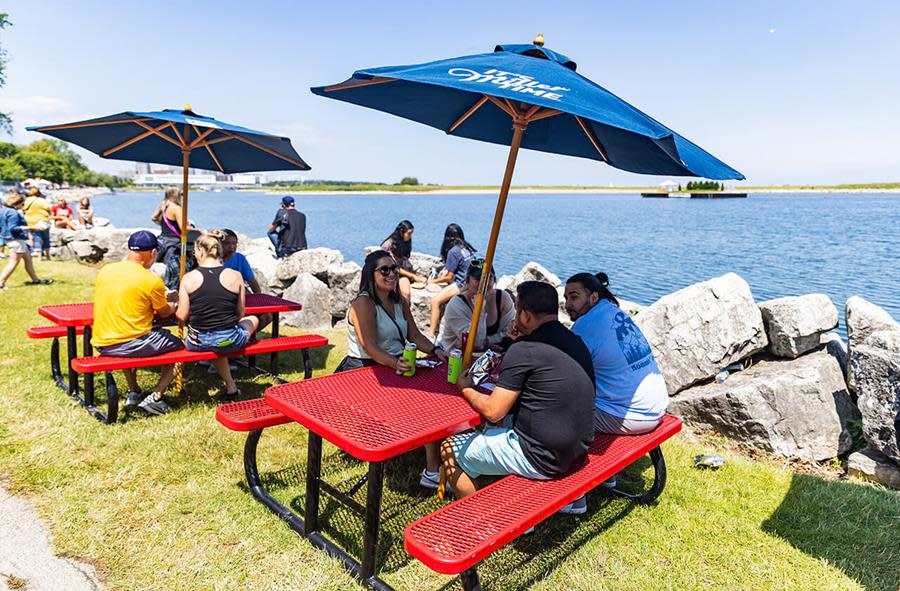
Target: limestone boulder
point(263, 263)
point(796, 408)
point(85, 251)
point(872, 465)
point(629, 307)
point(701, 329)
point(837, 348)
point(423, 264)
point(314, 261)
point(343, 281)
point(113, 242)
point(420, 306)
point(875, 369)
point(533, 271)
point(507, 282)
point(315, 297)
point(794, 325)
point(862, 318)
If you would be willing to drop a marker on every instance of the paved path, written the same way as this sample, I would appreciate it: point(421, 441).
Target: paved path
point(25, 553)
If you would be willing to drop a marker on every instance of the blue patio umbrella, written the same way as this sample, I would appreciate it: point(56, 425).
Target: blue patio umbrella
point(531, 97)
point(180, 138)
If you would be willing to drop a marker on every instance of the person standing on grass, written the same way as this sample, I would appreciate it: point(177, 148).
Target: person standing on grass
point(126, 297)
point(37, 214)
point(211, 301)
point(543, 402)
point(288, 230)
point(13, 230)
point(232, 259)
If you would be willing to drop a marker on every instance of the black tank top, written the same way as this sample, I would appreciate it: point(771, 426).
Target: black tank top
point(493, 328)
point(213, 306)
point(169, 227)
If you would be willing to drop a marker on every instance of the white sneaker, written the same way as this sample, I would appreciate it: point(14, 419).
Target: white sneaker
point(154, 406)
point(576, 507)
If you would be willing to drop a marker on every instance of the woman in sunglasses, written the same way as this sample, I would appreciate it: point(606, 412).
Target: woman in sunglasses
point(379, 324)
point(498, 312)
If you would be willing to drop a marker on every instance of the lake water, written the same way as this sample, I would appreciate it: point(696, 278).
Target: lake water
point(840, 244)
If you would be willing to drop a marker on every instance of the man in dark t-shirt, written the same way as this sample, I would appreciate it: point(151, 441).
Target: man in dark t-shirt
point(288, 230)
point(544, 399)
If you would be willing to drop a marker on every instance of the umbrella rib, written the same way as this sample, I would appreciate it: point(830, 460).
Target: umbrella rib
point(358, 83)
point(201, 136)
point(546, 113)
point(501, 105)
point(213, 155)
point(135, 139)
point(178, 135)
point(270, 151)
point(89, 124)
point(159, 133)
point(468, 113)
point(591, 137)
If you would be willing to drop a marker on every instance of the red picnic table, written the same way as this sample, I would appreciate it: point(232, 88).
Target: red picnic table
point(374, 415)
point(81, 315)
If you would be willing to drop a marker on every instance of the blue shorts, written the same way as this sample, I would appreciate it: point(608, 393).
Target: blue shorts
point(155, 342)
point(224, 340)
point(41, 239)
point(494, 452)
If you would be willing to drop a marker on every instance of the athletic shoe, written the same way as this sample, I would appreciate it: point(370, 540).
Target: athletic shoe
point(611, 483)
point(576, 507)
point(226, 397)
point(153, 406)
point(133, 400)
point(430, 480)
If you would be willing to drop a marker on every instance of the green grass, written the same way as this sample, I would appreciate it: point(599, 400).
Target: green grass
point(161, 503)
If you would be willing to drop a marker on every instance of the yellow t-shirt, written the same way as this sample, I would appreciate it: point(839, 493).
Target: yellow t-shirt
point(36, 210)
point(125, 297)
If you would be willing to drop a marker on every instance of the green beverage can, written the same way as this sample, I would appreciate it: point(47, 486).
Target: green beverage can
point(409, 353)
point(454, 365)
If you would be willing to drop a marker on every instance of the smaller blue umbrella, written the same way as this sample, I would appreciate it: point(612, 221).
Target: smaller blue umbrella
point(180, 138)
point(525, 95)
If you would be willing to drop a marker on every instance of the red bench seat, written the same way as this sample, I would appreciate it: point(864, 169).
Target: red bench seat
point(249, 415)
point(461, 534)
point(51, 332)
point(107, 363)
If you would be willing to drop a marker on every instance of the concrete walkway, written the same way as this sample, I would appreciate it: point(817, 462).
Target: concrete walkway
point(27, 562)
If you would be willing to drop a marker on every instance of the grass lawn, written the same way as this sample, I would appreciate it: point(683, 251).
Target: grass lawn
point(161, 503)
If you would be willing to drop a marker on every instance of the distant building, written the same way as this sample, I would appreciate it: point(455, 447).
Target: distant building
point(668, 185)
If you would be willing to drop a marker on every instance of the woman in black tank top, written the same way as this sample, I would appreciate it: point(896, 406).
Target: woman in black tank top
point(211, 301)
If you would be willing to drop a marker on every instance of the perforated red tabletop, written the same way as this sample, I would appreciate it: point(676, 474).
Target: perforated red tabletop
point(83, 314)
point(374, 414)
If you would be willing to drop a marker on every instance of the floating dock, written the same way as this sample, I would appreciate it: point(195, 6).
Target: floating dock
point(695, 195)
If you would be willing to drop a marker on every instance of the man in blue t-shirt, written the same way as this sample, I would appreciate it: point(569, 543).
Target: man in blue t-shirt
point(232, 259)
point(631, 394)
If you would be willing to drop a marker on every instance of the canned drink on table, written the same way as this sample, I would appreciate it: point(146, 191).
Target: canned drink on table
point(454, 365)
point(409, 354)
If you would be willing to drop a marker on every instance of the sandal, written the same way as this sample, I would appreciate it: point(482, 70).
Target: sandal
point(39, 282)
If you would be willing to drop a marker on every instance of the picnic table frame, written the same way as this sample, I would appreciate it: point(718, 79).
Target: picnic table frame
point(73, 316)
point(374, 415)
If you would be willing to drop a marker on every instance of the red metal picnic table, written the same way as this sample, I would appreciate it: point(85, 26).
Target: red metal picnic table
point(81, 314)
point(374, 415)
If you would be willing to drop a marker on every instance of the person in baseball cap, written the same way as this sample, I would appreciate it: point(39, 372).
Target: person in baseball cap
point(127, 297)
point(288, 230)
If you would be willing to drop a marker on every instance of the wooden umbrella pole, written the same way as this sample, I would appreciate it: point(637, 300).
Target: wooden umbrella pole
point(182, 224)
point(519, 125)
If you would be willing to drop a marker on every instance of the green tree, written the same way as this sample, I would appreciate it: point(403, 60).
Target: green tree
point(39, 164)
point(409, 180)
point(5, 118)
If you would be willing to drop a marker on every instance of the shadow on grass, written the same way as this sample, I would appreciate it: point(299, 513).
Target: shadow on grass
point(519, 564)
point(854, 527)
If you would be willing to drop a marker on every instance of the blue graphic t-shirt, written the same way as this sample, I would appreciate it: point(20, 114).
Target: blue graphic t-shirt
point(628, 382)
point(239, 263)
point(458, 260)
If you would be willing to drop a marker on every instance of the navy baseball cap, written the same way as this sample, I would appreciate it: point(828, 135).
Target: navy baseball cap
point(142, 241)
point(287, 200)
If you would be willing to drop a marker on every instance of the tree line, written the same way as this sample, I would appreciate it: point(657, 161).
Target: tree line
point(703, 186)
point(51, 160)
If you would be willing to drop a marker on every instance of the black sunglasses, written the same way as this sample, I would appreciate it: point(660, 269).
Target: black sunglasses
point(386, 270)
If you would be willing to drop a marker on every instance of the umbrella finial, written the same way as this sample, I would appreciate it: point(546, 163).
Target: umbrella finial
point(539, 40)
point(187, 107)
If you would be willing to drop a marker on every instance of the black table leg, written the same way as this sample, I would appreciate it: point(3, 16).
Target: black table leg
point(373, 518)
point(313, 474)
point(72, 350)
point(88, 377)
point(273, 356)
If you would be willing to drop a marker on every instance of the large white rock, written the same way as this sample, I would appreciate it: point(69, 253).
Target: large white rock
point(420, 306)
point(872, 465)
point(423, 264)
point(263, 263)
point(701, 329)
point(794, 325)
point(533, 271)
point(798, 408)
point(315, 298)
point(343, 281)
point(875, 369)
point(863, 318)
point(85, 251)
point(314, 261)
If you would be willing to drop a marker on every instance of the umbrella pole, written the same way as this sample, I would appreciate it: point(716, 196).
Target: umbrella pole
point(182, 224)
point(519, 126)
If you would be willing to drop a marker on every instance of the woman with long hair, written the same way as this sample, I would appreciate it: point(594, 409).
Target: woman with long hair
point(211, 301)
point(399, 244)
point(379, 324)
point(456, 254)
point(13, 230)
point(86, 213)
point(498, 312)
point(168, 216)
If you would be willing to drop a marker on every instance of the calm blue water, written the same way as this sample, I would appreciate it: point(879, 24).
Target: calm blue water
point(841, 244)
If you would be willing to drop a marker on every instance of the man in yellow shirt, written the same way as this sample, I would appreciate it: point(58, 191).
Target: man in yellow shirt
point(126, 297)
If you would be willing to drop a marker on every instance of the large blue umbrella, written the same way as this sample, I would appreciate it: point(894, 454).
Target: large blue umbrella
point(180, 138)
point(496, 97)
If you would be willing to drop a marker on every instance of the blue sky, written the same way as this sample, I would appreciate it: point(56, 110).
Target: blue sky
point(784, 91)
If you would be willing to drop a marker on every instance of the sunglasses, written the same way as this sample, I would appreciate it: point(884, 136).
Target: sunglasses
point(386, 270)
